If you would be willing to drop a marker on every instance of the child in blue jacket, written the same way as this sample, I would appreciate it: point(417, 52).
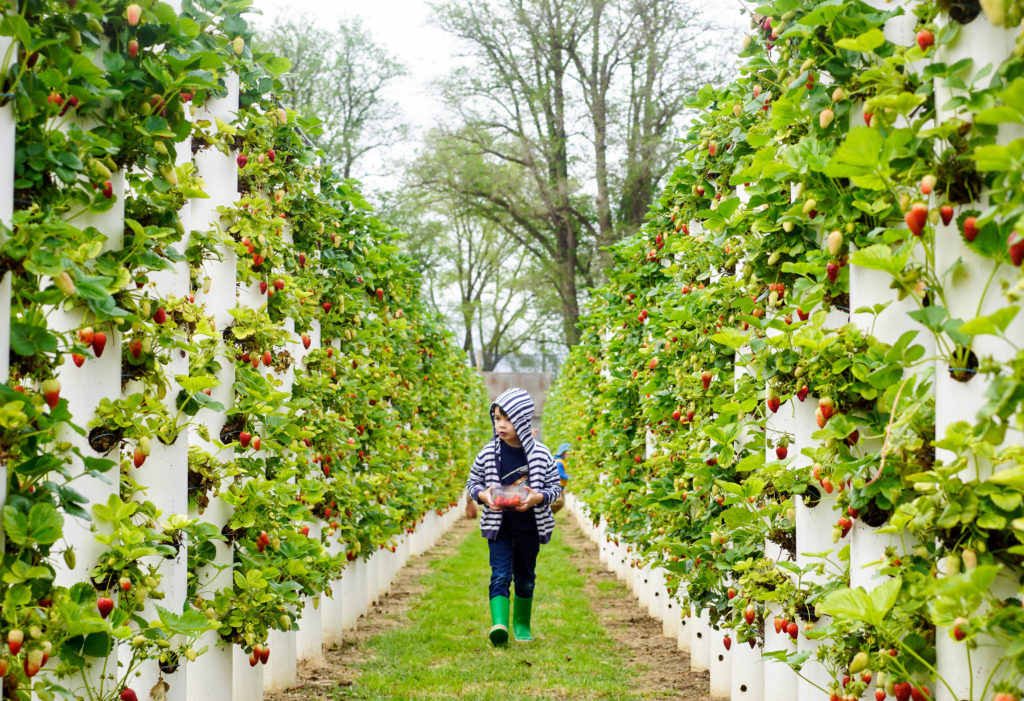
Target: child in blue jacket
point(514, 535)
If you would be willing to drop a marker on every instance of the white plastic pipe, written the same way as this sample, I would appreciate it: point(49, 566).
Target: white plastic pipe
point(721, 664)
point(700, 643)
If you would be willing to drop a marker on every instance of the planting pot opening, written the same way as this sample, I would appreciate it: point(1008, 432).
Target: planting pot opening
point(962, 11)
point(874, 517)
point(812, 497)
point(232, 427)
point(969, 369)
point(103, 439)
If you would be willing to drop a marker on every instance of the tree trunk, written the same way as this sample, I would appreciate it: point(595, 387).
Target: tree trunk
point(599, 108)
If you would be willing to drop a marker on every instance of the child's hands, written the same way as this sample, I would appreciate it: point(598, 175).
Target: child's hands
point(485, 497)
point(532, 499)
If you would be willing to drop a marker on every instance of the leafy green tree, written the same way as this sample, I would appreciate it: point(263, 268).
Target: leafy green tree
point(566, 117)
point(339, 74)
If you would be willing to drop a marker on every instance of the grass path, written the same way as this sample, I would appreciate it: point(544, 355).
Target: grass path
point(432, 642)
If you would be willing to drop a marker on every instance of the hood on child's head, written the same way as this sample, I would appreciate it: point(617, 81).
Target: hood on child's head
point(518, 407)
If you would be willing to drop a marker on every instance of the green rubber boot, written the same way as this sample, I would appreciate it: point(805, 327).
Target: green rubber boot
point(521, 610)
point(499, 620)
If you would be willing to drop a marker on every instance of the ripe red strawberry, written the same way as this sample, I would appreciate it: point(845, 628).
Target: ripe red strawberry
point(268, 359)
point(271, 155)
point(970, 229)
point(901, 691)
point(242, 160)
point(244, 437)
point(133, 48)
point(844, 523)
point(826, 484)
point(108, 189)
point(802, 314)
point(263, 287)
point(802, 393)
point(15, 638)
point(749, 614)
point(879, 694)
point(304, 530)
point(160, 315)
point(1016, 244)
point(793, 629)
point(919, 693)
point(128, 695)
point(256, 442)
point(676, 415)
point(254, 659)
point(832, 271)
point(279, 284)
point(99, 342)
point(727, 641)
point(731, 594)
point(916, 217)
point(705, 379)
point(689, 416)
point(306, 340)
point(135, 348)
point(925, 39)
point(781, 452)
point(138, 457)
point(302, 260)
point(327, 306)
point(265, 653)
point(86, 335)
point(380, 293)
point(946, 213)
point(774, 403)
point(105, 606)
point(636, 458)
point(51, 392)
point(78, 359)
point(1004, 696)
point(853, 438)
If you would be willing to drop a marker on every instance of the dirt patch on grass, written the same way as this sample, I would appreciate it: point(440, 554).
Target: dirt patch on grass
point(663, 671)
point(340, 665)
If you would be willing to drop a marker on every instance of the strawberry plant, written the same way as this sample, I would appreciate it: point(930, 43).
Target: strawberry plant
point(779, 335)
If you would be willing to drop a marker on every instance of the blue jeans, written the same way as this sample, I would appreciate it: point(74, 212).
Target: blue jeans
point(514, 557)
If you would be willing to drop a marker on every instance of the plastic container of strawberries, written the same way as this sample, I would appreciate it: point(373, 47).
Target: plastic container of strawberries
point(509, 496)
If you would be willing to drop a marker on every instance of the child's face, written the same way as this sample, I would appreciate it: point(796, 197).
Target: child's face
point(503, 425)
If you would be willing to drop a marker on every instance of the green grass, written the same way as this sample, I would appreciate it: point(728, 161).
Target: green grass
point(442, 652)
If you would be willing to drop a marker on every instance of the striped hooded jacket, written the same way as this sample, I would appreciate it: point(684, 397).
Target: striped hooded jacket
point(518, 406)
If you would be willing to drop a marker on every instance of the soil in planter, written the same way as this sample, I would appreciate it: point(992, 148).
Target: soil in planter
point(963, 11)
point(103, 439)
point(232, 427)
point(968, 369)
point(873, 516)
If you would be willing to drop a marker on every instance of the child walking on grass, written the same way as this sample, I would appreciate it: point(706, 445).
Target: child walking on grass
point(514, 533)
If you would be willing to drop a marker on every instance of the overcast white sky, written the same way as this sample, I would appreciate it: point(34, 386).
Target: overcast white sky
point(404, 28)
